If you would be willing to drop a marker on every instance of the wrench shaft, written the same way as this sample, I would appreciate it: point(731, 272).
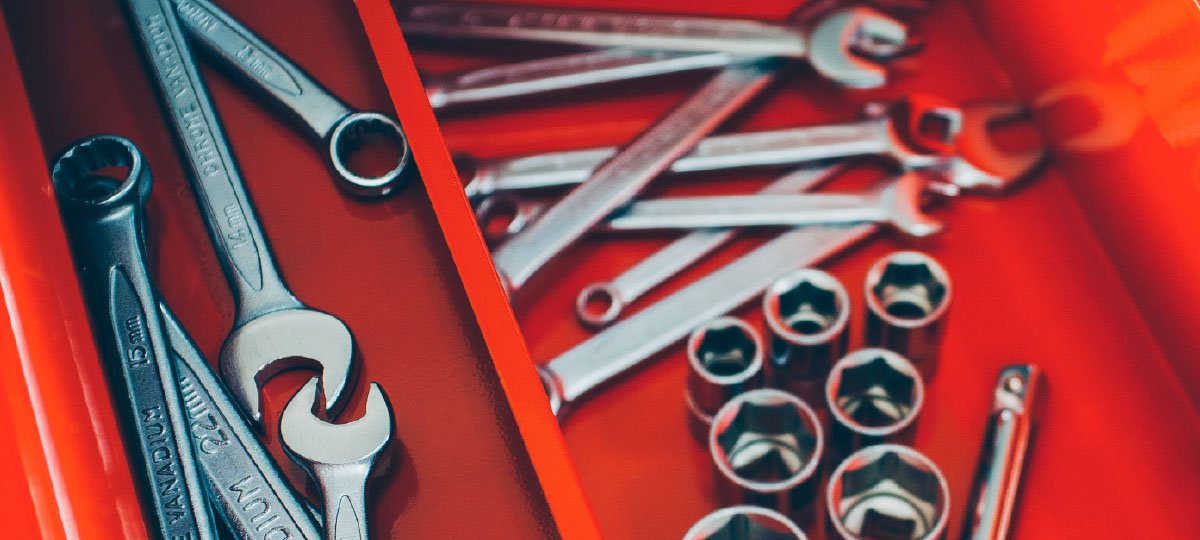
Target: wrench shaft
point(745, 211)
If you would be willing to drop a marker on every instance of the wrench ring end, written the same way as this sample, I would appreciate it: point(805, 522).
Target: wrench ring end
point(73, 172)
point(603, 294)
point(553, 385)
point(347, 137)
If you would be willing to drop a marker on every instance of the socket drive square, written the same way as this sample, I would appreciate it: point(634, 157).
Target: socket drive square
point(907, 295)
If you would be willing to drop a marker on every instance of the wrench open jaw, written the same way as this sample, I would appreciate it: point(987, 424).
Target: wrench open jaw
point(983, 165)
point(840, 43)
point(282, 340)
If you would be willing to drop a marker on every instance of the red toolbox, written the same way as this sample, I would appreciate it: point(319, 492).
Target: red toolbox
point(1086, 270)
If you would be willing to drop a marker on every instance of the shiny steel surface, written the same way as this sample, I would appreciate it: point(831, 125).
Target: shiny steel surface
point(744, 523)
point(908, 294)
point(338, 457)
point(808, 314)
point(327, 118)
point(105, 217)
point(873, 396)
point(272, 330)
point(887, 491)
point(725, 359)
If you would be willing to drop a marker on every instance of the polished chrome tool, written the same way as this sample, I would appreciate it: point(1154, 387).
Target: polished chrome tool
point(272, 330)
point(338, 457)
point(105, 217)
point(1010, 429)
point(908, 294)
point(744, 523)
point(627, 173)
point(808, 313)
point(767, 447)
point(244, 483)
point(827, 43)
point(327, 118)
point(874, 396)
point(887, 491)
point(725, 359)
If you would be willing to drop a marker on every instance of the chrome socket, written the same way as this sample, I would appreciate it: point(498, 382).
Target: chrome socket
point(908, 294)
point(807, 312)
point(887, 491)
point(766, 447)
point(725, 359)
point(874, 396)
point(744, 523)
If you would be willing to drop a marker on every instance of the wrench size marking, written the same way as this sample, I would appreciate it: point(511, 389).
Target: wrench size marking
point(135, 334)
point(205, 427)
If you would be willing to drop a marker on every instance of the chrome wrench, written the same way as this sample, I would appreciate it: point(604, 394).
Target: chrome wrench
point(613, 296)
point(894, 131)
point(327, 118)
point(105, 217)
point(623, 176)
point(272, 330)
point(825, 44)
point(243, 481)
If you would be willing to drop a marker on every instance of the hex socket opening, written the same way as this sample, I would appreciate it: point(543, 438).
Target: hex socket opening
point(888, 491)
point(766, 441)
point(806, 307)
point(907, 289)
point(874, 392)
point(725, 350)
point(744, 523)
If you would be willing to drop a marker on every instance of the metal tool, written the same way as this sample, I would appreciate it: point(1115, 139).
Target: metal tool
point(744, 523)
point(874, 396)
point(326, 117)
point(807, 312)
point(243, 481)
point(623, 176)
point(630, 342)
point(897, 203)
point(272, 330)
point(887, 491)
point(725, 359)
point(917, 133)
point(1010, 429)
point(907, 296)
point(767, 447)
point(105, 218)
point(338, 457)
point(825, 43)
point(600, 303)
point(561, 73)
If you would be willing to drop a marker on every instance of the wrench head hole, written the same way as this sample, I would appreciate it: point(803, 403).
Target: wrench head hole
point(806, 306)
point(100, 170)
point(766, 440)
point(599, 304)
point(744, 523)
point(725, 348)
point(874, 391)
point(890, 492)
point(370, 153)
point(908, 288)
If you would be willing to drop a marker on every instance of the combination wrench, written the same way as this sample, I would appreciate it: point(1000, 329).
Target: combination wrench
point(823, 44)
point(105, 217)
point(272, 330)
point(892, 130)
point(326, 117)
point(243, 481)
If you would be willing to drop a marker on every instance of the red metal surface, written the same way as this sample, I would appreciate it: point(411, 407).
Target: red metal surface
point(1039, 277)
point(459, 468)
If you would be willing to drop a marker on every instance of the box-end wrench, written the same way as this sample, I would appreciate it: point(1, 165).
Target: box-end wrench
point(338, 457)
point(632, 341)
point(272, 330)
point(822, 43)
point(105, 217)
point(600, 303)
point(897, 203)
point(1010, 430)
point(327, 118)
point(904, 131)
point(623, 176)
point(243, 481)
point(561, 73)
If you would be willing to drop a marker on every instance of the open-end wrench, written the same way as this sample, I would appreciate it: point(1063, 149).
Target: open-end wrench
point(272, 330)
point(623, 176)
point(600, 303)
point(243, 481)
point(327, 118)
point(897, 203)
point(825, 44)
point(631, 341)
point(105, 217)
point(899, 131)
point(338, 457)
point(562, 72)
